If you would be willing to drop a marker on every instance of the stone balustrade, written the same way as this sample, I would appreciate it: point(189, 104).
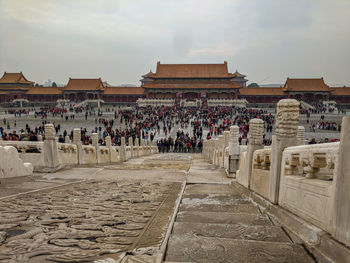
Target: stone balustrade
point(11, 165)
point(50, 155)
point(28, 152)
point(227, 102)
point(155, 102)
point(260, 172)
point(67, 154)
point(307, 185)
point(311, 181)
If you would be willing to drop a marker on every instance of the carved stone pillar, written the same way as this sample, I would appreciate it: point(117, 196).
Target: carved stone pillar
point(341, 214)
point(226, 140)
point(301, 135)
point(215, 152)
point(255, 139)
point(286, 135)
point(67, 139)
point(50, 148)
point(131, 147)
point(109, 146)
point(142, 147)
point(148, 147)
point(219, 150)
point(122, 150)
point(94, 142)
point(137, 147)
point(234, 149)
point(77, 142)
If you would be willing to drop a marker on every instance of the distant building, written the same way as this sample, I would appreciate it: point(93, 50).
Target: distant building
point(192, 81)
point(14, 86)
point(174, 81)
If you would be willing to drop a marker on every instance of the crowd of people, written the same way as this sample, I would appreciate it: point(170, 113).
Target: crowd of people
point(154, 124)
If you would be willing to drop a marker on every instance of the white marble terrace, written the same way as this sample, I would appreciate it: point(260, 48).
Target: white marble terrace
point(311, 181)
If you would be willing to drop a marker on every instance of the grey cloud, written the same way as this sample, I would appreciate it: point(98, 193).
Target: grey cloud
point(120, 40)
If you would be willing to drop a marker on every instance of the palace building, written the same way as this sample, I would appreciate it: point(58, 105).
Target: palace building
point(192, 81)
point(178, 82)
point(14, 86)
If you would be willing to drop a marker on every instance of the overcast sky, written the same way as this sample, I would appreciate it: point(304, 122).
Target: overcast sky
point(268, 40)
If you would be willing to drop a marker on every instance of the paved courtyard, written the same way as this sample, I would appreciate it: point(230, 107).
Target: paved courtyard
point(90, 124)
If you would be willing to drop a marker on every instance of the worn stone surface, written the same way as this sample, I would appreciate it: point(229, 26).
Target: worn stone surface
point(202, 249)
point(87, 220)
point(233, 231)
point(224, 218)
point(66, 220)
point(239, 208)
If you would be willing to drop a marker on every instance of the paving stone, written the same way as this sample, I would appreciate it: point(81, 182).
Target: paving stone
point(232, 231)
point(192, 199)
point(222, 218)
point(182, 248)
point(241, 208)
point(209, 189)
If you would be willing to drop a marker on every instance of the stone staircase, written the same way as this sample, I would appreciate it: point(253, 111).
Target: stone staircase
point(306, 106)
point(216, 223)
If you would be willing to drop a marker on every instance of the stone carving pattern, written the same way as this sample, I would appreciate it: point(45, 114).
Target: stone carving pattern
point(76, 136)
point(262, 159)
point(287, 118)
point(301, 133)
point(312, 162)
point(256, 131)
point(49, 132)
point(80, 222)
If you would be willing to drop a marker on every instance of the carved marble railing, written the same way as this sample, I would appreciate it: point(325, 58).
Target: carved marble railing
point(103, 155)
point(306, 187)
point(11, 165)
point(28, 151)
point(67, 154)
point(128, 152)
point(89, 155)
point(260, 177)
point(115, 157)
point(51, 155)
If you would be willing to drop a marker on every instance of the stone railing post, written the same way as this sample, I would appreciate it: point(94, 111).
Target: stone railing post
point(50, 148)
point(341, 205)
point(122, 150)
point(141, 147)
point(220, 150)
point(109, 146)
point(94, 142)
point(148, 147)
point(131, 147)
point(225, 145)
point(137, 147)
point(301, 135)
point(67, 139)
point(77, 142)
point(255, 139)
point(233, 149)
point(286, 136)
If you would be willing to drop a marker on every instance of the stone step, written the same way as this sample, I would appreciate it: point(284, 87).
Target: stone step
point(222, 218)
point(210, 189)
point(214, 199)
point(232, 231)
point(240, 208)
point(182, 248)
